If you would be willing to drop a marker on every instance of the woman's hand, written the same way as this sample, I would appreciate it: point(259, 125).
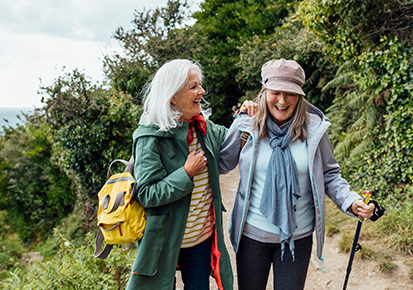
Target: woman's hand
point(361, 209)
point(249, 106)
point(195, 163)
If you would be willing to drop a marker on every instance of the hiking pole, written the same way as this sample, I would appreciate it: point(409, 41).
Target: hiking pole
point(356, 246)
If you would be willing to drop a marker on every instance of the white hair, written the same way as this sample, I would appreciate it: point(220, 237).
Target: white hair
point(167, 82)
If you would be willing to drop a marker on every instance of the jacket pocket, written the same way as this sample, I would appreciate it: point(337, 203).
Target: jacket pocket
point(151, 246)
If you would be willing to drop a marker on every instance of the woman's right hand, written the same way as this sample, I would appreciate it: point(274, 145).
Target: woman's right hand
point(250, 107)
point(195, 163)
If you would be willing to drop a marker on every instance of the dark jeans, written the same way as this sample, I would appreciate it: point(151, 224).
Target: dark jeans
point(254, 262)
point(194, 264)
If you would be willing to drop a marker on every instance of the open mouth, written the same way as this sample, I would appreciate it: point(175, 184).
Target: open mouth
point(282, 109)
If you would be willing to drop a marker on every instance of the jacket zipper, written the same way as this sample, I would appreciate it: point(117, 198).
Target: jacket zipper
point(321, 219)
point(247, 189)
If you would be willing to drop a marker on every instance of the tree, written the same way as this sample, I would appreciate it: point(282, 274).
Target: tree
point(374, 90)
point(290, 41)
point(91, 126)
point(158, 35)
point(226, 26)
point(35, 193)
point(349, 27)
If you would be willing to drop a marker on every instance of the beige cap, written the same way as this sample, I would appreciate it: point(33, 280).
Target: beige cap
point(283, 75)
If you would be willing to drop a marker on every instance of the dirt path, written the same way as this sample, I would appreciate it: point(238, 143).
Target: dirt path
point(364, 274)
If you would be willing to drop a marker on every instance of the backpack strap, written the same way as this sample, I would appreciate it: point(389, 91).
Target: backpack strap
point(98, 245)
point(244, 137)
point(129, 166)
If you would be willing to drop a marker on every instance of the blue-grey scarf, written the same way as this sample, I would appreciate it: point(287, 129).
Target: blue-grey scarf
point(281, 189)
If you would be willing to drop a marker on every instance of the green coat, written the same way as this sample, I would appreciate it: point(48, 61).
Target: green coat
point(164, 189)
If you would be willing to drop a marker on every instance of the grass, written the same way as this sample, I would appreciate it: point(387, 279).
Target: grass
point(381, 239)
point(386, 266)
point(397, 226)
point(368, 252)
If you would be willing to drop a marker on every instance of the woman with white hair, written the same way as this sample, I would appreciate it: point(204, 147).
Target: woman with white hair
point(176, 153)
point(287, 166)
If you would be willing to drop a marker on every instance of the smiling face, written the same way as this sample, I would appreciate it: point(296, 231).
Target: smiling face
point(188, 99)
point(281, 105)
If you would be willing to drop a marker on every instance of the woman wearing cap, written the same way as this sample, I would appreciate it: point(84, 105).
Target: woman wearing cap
point(287, 167)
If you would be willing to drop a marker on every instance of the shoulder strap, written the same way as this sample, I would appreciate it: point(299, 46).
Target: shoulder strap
point(98, 245)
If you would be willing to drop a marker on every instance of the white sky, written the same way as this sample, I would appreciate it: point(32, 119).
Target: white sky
point(39, 38)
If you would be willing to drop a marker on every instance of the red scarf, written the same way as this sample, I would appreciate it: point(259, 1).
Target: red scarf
point(200, 123)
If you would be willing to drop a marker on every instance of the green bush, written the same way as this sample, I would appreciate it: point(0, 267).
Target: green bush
point(36, 194)
point(72, 228)
point(91, 126)
point(74, 268)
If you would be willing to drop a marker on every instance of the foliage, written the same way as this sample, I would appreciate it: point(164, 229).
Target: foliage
point(375, 142)
point(221, 28)
point(371, 113)
point(158, 35)
point(11, 246)
point(226, 25)
point(74, 268)
point(73, 227)
point(32, 186)
point(291, 41)
point(91, 126)
point(349, 27)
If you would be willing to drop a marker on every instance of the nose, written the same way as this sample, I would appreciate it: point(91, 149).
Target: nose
point(201, 91)
point(283, 98)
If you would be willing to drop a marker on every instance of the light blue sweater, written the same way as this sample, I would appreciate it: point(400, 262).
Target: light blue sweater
point(305, 206)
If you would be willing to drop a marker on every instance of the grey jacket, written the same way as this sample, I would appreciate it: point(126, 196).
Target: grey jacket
point(323, 169)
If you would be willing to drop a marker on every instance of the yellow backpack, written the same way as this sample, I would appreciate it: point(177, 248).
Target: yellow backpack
point(121, 218)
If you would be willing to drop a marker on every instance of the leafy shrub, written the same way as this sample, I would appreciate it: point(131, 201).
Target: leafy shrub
point(36, 193)
point(72, 228)
point(91, 126)
point(74, 268)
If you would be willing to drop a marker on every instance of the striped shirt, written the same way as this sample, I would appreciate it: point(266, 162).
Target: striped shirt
point(199, 223)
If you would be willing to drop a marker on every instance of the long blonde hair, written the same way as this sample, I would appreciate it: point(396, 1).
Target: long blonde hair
point(298, 128)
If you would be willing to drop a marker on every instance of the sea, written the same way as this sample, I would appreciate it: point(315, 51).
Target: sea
point(11, 115)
